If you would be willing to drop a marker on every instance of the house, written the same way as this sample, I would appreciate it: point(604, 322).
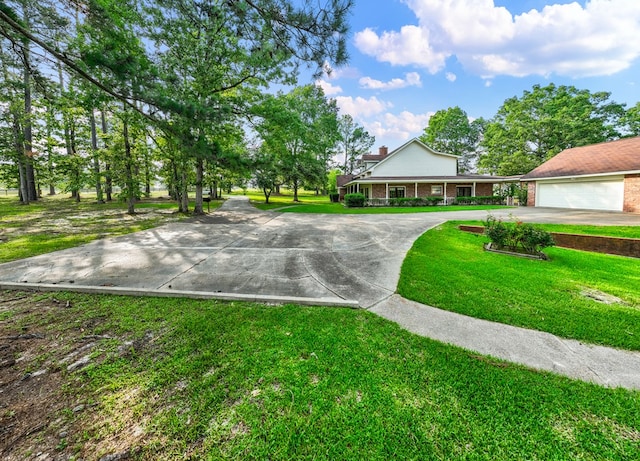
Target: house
point(603, 176)
point(415, 170)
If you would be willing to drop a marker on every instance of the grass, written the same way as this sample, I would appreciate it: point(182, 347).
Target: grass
point(311, 203)
point(209, 380)
point(448, 268)
point(58, 222)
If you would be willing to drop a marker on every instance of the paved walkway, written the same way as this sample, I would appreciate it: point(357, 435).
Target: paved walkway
point(239, 252)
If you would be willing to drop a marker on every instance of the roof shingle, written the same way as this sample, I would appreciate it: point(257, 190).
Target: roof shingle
point(622, 155)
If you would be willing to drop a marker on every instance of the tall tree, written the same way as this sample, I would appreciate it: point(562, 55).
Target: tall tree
point(632, 120)
point(450, 131)
point(353, 142)
point(296, 127)
point(528, 130)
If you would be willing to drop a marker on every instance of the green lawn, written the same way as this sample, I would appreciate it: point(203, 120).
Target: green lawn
point(311, 203)
point(58, 222)
point(448, 268)
point(209, 380)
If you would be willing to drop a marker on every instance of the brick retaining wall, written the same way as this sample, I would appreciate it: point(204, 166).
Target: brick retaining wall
point(596, 243)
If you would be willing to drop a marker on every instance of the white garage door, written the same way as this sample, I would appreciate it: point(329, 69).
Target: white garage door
point(589, 195)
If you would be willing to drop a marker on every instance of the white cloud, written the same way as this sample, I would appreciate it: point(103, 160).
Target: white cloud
point(451, 76)
point(411, 79)
point(409, 46)
point(398, 128)
point(361, 107)
point(599, 38)
point(328, 88)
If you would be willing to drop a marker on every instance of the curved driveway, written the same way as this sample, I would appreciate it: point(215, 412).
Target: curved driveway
point(238, 250)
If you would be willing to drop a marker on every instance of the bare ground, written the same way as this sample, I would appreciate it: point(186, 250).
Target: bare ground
point(44, 412)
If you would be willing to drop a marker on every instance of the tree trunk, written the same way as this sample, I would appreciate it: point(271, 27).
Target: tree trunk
point(295, 191)
point(19, 147)
point(108, 184)
point(128, 167)
point(199, 175)
point(184, 196)
point(96, 160)
point(28, 123)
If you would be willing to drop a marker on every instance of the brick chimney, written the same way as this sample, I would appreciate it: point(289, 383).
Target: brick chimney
point(383, 151)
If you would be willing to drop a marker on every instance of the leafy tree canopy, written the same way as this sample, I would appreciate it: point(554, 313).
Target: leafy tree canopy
point(450, 131)
point(529, 130)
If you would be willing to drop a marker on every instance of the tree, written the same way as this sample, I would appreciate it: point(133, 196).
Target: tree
point(265, 171)
point(529, 130)
point(632, 120)
point(299, 128)
point(187, 67)
point(353, 142)
point(450, 131)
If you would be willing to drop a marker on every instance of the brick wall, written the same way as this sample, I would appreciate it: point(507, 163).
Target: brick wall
point(632, 193)
point(484, 189)
point(611, 245)
point(531, 194)
point(379, 191)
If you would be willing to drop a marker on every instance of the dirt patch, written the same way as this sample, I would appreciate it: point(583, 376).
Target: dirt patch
point(42, 407)
point(601, 296)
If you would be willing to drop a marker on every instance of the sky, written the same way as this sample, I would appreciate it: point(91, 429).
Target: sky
point(411, 58)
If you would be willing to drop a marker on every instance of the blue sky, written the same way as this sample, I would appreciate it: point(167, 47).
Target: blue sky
point(411, 58)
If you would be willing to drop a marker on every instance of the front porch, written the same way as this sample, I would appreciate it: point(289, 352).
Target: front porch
point(383, 192)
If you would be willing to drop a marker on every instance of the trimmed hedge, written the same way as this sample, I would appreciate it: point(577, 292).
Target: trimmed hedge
point(354, 200)
point(480, 200)
point(415, 201)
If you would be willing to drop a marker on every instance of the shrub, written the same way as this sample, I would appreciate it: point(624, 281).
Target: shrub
point(517, 236)
point(433, 201)
point(354, 200)
point(480, 200)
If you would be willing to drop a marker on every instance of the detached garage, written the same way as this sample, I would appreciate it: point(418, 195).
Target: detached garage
point(602, 176)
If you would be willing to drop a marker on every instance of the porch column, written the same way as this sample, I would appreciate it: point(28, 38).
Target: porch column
point(386, 185)
point(415, 194)
point(473, 191)
point(445, 193)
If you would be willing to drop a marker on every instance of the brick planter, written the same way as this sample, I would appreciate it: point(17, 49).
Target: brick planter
point(596, 243)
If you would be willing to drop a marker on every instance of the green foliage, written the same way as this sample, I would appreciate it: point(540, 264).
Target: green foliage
point(450, 131)
point(332, 181)
point(517, 235)
point(529, 130)
point(353, 142)
point(354, 200)
point(480, 200)
point(412, 201)
point(299, 128)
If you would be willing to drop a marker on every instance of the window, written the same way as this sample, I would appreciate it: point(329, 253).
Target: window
point(365, 192)
point(463, 191)
point(436, 190)
point(396, 192)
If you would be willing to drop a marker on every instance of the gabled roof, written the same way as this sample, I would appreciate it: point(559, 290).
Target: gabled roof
point(384, 158)
point(621, 156)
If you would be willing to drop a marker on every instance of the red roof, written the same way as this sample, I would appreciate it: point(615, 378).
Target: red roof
point(373, 157)
point(618, 156)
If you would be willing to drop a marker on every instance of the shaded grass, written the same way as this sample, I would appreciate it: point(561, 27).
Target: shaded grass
point(207, 380)
point(56, 223)
point(448, 268)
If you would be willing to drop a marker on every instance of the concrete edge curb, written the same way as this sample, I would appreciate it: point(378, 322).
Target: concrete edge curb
point(271, 299)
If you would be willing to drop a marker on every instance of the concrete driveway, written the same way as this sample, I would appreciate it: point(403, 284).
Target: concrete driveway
point(239, 252)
